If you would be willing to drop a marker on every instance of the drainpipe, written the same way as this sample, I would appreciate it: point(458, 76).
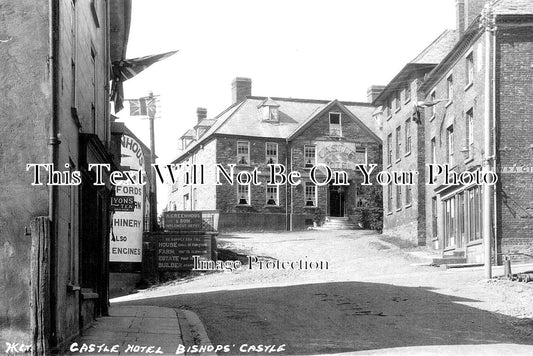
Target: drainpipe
point(494, 162)
point(487, 22)
point(53, 143)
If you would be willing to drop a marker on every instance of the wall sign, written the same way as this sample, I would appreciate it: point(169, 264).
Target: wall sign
point(175, 251)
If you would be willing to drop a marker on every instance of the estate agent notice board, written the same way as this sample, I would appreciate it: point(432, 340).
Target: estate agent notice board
point(182, 239)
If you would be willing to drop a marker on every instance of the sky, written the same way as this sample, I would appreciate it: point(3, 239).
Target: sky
point(313, 49)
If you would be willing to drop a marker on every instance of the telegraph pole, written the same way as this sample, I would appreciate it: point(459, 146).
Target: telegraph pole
point(153, 185)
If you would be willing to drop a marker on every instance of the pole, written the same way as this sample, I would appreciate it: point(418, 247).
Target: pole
point(488, 22)
point(153, 186)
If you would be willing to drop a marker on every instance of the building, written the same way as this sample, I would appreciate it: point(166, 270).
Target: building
point(404, 141)
point(298, 133)
point(55, 80)
point(481, 122)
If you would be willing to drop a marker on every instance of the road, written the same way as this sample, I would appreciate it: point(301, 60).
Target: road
point(371, 297)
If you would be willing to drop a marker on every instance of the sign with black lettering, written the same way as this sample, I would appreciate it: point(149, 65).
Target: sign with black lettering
point(123, 203)
point(175, 252)
point(182, 220)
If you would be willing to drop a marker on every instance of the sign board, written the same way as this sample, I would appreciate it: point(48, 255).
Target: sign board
point(123, 203)
point(126, 224)
point(182, 220)
point(175, 251)
point(340, 155)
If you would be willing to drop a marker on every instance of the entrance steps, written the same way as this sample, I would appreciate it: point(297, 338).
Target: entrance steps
point(338, 223)
point(456, 258)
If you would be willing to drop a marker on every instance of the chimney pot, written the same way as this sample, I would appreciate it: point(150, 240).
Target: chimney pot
point(240, 89)
point(201, 113)
point(373, 92)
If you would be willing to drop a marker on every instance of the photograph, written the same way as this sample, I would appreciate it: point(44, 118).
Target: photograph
point(257, 177)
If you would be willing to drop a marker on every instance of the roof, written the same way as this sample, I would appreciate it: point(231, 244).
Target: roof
point(513, 7)
point(425, 61)
point(438, 49)
point(244, 118)
point(205, 123)
point(189, 133)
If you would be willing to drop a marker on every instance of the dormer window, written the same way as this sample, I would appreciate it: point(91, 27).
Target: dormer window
point(269, 110)
point(335, 124)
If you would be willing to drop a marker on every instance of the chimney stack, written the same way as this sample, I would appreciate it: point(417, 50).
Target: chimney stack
point(472, 10)
point(460, 17)
point(240, 89)
point(373, 92)
point(201, 113)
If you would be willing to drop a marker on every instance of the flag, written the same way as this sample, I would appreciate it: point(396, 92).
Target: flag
point(127, 69)
point(143, 106)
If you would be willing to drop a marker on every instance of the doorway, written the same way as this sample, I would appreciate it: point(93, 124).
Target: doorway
point(336, 200)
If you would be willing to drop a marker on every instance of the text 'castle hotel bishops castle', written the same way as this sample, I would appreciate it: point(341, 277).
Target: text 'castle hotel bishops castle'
point(298, 133)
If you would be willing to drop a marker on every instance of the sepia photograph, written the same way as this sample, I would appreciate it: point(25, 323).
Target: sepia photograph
point(253, 177)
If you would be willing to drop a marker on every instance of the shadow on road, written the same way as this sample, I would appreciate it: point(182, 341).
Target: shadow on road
point(342, 317)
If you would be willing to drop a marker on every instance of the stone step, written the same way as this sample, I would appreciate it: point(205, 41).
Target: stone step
point(449, 260)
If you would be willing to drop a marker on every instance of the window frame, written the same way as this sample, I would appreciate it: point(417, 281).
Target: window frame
point(248, 193)
point(332, 126)
point(248, 153)
point(306, 166)
point(470, 69)
point(408, 136)
point(267, 156)
point(276, 198)
point(398, 143)
point(469, 132)
point(315, 201)
point(450, 142)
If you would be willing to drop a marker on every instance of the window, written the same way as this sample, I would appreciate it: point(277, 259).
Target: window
point(272, 196)
point(387, 109)
point(271, 153)
point(389, 149)
point(243, 194)
point(389, 198)
point(243, 152)
point(470, 69)
point(310, 194)
point(398, 197)
point(397, 102)
point(309, 156)
point(398, 141)
point(73, 84)
point(408, 194)
point(94, 80)
point(408, 136)
point(449, 222)
point(469, 131)
point(474, 214)
point(407, 93)
point(434, 217)
point(433, 98)
point(449, 87)
point(433, 150)
point(335, 124)
point(449, 146)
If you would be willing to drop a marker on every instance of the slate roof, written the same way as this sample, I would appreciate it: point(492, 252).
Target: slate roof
point(244, 119)
point(513, 7)
point(438, 49)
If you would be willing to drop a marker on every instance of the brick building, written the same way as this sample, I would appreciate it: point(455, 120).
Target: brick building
point(404, 141)
point(481, 121)
point(55, 75)
point(298, 133)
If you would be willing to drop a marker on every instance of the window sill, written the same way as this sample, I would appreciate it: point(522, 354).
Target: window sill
point(272, 206)
point(409, 205)
point(397, 110)
point(397, 160)
point(389, 165)
point(243, 206)
point(450, 102)
point(389, 117)
point(310, 207)
point(407, 154)
point(432, 118)
point(474, 243)
point(389, 213)
point(243, 165)
point(407, 101)
point(398, 209)
point(468, 85)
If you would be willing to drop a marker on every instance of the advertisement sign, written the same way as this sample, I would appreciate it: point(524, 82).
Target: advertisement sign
point(340, 155)
point(182, 220)
point(175, 252)
point(127, 223)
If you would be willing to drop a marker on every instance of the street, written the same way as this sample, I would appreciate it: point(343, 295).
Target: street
point(372, 296)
